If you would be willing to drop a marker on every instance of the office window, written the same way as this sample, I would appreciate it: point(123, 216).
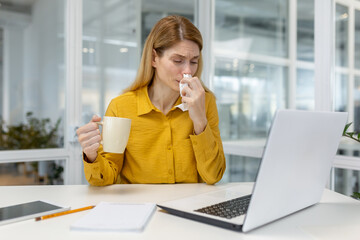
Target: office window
point(357, 104)
point(305, 30)
point(1, 66)
point(341, 39)
point(347, 181)
point(304, 86)
point(248, 97)
point(109, 52)
point(346, 87)
point(248, 84)
point(305, 89)
point(153, 10)
point(32, 173)
point(32, 86)
point(341, 93)
point(241, 169)
point(245, 27)
point(113, 36)
point(357, 39)
point(32, 71)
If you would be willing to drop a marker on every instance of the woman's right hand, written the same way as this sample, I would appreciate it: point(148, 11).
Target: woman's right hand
point(89, 137)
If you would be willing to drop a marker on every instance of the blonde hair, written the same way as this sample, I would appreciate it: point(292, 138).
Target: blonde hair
point(166, 33)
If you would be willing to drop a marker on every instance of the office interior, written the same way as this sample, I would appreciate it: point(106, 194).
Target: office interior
point(61, 61)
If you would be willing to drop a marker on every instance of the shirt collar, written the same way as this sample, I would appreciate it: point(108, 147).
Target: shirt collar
point(145, 105)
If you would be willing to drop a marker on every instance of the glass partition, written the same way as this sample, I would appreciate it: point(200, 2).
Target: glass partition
point(249, 91)
point(305, 30)
point(346, 88)
point(341, 38)
point(1, 67)
point(341, 93)
point(347, 181)
point(357, 104)
point(109, 52)
point(32, 103)
point(357, 39)
point(32, 173)
point(153, 10)
point(241, 169)
point(246, 27)
point(248, 95)
point(305, 99)
point(113, 36)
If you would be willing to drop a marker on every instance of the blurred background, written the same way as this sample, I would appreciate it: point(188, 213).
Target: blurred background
point(62, 61)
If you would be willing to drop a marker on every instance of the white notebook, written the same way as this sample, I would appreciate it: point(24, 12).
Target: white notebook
point(116, 217)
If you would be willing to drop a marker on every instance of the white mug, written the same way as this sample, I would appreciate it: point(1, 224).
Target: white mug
point(115, 133)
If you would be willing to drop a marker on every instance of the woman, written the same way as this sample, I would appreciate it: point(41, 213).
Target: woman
point(166, 144)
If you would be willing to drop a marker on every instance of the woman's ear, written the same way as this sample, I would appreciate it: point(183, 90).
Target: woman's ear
point(154, 57)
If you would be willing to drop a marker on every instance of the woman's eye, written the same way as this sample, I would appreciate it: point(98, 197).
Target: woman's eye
point(177, 61)
point(194, 62)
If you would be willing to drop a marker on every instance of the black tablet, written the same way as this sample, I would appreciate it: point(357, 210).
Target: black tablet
point(28, 210)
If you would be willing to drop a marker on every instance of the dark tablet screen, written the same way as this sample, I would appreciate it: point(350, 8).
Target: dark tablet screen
point(26, 209)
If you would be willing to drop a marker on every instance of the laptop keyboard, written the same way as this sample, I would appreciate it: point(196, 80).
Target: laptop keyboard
point(228, 209)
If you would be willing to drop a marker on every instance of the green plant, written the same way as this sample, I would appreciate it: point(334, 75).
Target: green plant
point(34, 133)
point(55, 173)
point(356, 137)
point(352, 135)
point(356, 195)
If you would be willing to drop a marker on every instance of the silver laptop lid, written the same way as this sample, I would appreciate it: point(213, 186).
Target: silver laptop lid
point(296, 164)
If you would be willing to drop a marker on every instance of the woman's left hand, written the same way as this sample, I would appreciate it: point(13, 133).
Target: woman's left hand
point(194, 98)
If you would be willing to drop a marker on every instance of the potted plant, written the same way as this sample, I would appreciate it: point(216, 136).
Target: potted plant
point(33, 134)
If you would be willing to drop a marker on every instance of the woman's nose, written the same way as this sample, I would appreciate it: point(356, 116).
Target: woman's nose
point(187, 69)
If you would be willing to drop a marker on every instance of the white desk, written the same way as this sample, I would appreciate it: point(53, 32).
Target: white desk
point(336, 217)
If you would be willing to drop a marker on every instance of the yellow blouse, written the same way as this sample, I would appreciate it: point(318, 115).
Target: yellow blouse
point(161, 149)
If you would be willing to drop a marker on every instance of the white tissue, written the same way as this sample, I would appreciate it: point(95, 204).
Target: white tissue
point(183, 106)
point(181, 86)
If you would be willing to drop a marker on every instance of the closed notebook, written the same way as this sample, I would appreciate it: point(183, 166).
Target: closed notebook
point(116, 217)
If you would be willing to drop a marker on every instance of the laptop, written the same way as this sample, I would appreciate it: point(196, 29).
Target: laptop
point(294, 170)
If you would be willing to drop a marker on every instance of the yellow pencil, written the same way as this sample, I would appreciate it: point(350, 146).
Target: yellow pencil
point(63, 213)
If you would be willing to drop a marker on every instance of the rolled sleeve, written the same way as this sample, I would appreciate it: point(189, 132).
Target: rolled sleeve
point(209, 156)
point(102, 171)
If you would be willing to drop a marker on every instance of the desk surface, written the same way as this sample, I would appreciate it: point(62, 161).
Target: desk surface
point(335, 217)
